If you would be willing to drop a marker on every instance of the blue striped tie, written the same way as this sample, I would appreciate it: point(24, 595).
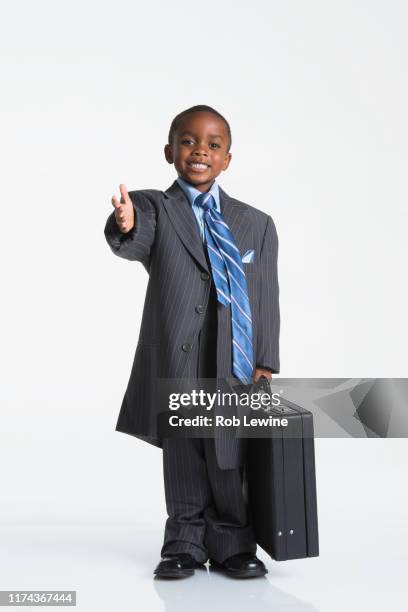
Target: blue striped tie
point(231, 286)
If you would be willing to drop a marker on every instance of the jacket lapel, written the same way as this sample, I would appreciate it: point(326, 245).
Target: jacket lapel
point(234, 213)
point(184, 222)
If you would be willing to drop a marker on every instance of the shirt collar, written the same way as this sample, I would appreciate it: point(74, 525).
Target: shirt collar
point(192, 192)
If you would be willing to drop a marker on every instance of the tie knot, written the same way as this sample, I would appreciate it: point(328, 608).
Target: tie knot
point(205, 200)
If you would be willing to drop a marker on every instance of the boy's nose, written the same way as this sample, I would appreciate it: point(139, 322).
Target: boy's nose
point(201, 149)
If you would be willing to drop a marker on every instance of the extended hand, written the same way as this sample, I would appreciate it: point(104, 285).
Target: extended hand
point(124, 211)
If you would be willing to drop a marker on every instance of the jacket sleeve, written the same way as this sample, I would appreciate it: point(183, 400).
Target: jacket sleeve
point(269, 316)
point(137, 244)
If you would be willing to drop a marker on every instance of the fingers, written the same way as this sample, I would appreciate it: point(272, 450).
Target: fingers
point(124, 224)
point(261, 372)
point(124, 214)
point(115, 202)
point(124, 227)
point(124, 194)
point(120, 214)
point(124, 197)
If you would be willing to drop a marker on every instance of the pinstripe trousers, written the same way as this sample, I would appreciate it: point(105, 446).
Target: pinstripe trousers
point(206, 505)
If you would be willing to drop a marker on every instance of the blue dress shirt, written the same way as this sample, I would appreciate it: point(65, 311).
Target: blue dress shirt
point(191, 192)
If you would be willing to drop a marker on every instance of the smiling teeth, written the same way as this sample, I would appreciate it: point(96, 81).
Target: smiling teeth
point(199, 165)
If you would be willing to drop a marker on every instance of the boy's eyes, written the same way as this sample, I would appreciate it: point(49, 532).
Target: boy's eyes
point(189, 141)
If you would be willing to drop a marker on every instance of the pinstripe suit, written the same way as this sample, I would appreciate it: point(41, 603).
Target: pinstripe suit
point(166, 241)
point(206, 506)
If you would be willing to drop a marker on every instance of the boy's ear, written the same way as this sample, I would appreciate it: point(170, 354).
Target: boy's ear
point(168, 153)
point(227, 161)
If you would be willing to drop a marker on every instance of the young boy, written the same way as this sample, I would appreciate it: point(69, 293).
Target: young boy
point(211, 312)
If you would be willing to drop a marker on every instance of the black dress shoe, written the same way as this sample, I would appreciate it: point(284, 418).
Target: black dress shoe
point(243, 565)
point(177, 565)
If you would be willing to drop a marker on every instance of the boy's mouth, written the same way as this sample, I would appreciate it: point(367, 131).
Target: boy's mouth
point(198, 166)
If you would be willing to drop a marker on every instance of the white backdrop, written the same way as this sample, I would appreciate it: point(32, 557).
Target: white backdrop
point(316, 95)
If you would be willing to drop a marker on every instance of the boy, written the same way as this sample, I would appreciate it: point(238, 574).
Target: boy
point(211, 311)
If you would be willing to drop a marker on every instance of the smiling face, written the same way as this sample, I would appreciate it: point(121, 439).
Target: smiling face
point(199, 149)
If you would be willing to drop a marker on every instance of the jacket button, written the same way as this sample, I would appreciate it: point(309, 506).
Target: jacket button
point(186, 347)
point(204, 276)
point(200, 309)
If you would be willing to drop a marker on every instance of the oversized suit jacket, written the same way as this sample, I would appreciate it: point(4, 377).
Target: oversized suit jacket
point(166, 241)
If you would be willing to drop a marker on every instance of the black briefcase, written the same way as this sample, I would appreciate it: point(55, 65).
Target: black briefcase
point(281, 483)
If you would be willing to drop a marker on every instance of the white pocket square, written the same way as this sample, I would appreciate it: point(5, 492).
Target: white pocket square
point(249, 256)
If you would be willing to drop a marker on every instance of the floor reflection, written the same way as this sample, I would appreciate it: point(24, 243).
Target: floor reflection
point(211, 591)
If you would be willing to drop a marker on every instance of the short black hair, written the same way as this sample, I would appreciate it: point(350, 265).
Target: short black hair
point(197, 109)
